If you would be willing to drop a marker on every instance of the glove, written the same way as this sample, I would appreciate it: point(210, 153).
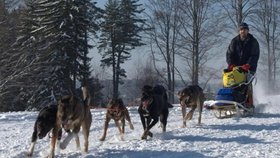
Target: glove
point(230, 67)
point(245, 67)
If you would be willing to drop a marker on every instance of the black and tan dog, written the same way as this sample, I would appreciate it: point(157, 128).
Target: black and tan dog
point(154, 105)
point(191, 97)
point(117, 111)
point(72, 115)
point(45, 122)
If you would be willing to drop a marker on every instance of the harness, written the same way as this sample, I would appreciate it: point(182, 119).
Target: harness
point(187, 101)
point(116, 111)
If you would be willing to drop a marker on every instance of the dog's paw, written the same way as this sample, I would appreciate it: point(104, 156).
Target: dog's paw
point(79, 148)
point(144, 137)
point(146, 134)
point(28, 154)
point(122, 137)
point(85, 150)
point(50, 155)
point(102, 139)
point(184, 126)
point(131, 127)
point(150, 134)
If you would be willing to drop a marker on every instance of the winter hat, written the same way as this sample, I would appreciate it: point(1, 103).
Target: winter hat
point(244, 25)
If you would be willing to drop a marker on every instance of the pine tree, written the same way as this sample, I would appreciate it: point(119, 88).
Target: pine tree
point(52, 48)
point(120, 34)
point(66, 31)
point(10, 93)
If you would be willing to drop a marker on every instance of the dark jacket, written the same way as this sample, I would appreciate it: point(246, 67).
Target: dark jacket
point(244, 52)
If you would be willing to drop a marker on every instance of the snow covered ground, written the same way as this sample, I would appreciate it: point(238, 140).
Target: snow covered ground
point(256, 136)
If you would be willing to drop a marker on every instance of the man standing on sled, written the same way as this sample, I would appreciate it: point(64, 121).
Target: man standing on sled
point(244, 51)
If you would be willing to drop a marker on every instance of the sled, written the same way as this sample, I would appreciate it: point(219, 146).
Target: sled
point(226, 109)
point(233, 101)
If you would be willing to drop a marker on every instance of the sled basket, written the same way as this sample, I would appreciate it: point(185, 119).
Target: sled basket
point(234, 77)
point(232, 98)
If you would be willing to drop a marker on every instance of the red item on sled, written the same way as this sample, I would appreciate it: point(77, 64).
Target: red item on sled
point(246, 67)
point(230, 67)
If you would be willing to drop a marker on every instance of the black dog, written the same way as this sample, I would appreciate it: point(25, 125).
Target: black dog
point(44, 123)
point(153, 105)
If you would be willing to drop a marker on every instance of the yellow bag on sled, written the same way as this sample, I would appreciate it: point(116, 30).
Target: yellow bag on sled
point(234, 77)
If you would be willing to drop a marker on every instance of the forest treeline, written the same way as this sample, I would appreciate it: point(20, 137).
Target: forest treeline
point(45, 45)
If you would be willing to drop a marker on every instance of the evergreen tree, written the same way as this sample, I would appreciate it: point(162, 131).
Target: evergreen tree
point(52, 48)
point(66, 31)
point(10, 93)
point(120, 34)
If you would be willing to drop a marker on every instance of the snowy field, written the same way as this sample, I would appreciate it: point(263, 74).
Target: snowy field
point(256, 137)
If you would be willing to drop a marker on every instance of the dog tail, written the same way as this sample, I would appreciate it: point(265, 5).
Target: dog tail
point(86, 96)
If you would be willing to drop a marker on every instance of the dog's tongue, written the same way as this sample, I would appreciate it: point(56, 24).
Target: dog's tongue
point(145, 103)
point(66, 126)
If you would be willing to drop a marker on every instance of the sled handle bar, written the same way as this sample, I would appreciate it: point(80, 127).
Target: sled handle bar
point(246, 83)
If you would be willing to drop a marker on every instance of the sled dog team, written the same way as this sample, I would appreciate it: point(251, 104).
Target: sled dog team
point(71, 115)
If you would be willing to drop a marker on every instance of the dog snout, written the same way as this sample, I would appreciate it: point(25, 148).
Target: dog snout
point(66, 126)
point(64, 123)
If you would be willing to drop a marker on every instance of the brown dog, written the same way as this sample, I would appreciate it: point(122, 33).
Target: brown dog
point(72, 115)
point(193, 97)
point(119, 113)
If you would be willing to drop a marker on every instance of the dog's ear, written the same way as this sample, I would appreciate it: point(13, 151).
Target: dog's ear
point(85, 93)
point(179, 93)
point(60, 101)
point(182, 95)
point(110, 103)
point(120, 102)
point(73, 100)
point(188, 92)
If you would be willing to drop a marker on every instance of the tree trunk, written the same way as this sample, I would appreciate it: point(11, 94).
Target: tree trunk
point(114, 70)
point(171, 96)
point(118, 67)
point(240, 12)
point(195, 44)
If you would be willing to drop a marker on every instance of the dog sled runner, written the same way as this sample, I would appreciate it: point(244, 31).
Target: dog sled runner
point(226, 109)
point(236, 96)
